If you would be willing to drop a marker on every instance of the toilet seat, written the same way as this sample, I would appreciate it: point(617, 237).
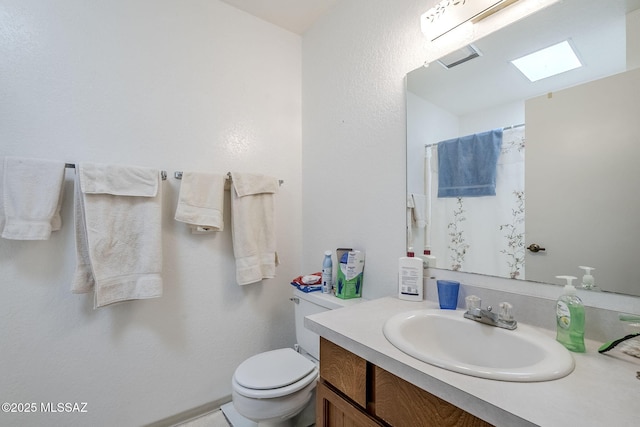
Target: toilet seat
point(274, 373)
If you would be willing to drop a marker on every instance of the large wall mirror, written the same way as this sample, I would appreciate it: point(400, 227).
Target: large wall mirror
point(568, 172)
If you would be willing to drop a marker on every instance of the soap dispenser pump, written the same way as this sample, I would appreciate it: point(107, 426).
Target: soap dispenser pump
point(570, 318)
point(588, 282)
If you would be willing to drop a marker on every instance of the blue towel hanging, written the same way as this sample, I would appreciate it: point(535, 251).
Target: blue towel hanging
point(467, 165)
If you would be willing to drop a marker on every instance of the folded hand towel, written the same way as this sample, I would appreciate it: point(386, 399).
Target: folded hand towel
point(418, 211)
point(246, 184)
point(201, 201)
point(32, 198)
point(467, 165)
point(118, 233)
point(118, 180)
point(253, 227)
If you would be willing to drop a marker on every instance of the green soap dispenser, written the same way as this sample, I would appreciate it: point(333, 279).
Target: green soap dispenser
point(570, 318)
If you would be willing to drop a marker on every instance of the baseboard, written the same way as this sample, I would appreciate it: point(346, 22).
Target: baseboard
point(190, 414)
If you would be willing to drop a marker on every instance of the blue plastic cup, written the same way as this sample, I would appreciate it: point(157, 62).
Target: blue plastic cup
point(448, 294)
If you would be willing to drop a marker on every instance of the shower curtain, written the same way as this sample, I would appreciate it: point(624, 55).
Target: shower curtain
point(483, 234)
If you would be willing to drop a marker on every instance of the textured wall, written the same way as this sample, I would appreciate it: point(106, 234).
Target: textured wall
point(353, 67)
point(178, 85)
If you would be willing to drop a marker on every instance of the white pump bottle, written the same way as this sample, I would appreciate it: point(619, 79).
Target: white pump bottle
point(588, 282)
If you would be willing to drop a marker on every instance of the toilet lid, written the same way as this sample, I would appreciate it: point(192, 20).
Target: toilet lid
point(273, 369)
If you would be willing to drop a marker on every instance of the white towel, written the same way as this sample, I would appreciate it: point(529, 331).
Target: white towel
point(118, 233)
point(410, 203)
point(419, 203)
point(253, 227)
point(201, 201)
point(32, 198)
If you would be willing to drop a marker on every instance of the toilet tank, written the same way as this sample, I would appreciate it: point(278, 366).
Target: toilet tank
point(310, 303)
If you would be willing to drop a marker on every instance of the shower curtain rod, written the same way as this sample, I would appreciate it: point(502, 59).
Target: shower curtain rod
point(163, 174)
point(504, 128)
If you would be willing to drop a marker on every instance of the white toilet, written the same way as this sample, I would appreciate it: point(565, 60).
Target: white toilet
point(277, 388)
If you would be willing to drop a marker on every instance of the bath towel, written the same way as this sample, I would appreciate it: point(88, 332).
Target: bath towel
point(201, 201)
point(31, 198)
point(118, 233)
point(253, 226)
point(467, 165)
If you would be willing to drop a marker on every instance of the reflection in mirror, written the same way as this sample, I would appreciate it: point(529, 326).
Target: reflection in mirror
point(578, 198)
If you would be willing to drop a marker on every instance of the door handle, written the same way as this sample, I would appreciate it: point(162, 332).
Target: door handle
point(534, 247)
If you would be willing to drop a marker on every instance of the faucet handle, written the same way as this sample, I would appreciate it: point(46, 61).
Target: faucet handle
point(506, 312)
point(473, 303)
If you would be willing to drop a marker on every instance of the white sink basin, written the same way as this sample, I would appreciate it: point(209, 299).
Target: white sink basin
point(446, 339)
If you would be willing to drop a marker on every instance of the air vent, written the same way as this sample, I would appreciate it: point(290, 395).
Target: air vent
point(459, 56)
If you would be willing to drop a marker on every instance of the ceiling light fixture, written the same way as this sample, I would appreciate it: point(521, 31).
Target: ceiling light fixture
point(548, 62)
point(450, 14)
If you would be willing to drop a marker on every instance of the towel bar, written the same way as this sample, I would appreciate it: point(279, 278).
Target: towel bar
point(178, 175)
point(163, 174)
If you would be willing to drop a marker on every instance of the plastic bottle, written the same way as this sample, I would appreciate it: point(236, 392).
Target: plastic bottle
point(570, 318)
point(588, 282)
point(429, 260)
point(327, 272)
point(342, 274)
point(410, 278)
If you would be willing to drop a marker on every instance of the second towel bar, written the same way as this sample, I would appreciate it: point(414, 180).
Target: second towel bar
point(178, 175)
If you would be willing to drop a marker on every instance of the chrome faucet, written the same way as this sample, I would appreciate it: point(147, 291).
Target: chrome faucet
point(502, 319)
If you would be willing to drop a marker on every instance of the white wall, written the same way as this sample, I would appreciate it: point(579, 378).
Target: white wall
point(354, 63)
point(492, 118)
point(173, 84)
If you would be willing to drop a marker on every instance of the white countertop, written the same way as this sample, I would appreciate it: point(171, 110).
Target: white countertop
point(601, 391)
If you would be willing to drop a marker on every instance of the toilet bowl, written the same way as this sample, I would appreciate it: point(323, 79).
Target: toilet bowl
point(277, 387)
point(271, 388)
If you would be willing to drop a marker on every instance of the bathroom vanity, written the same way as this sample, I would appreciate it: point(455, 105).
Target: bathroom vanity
point(354, 391)
point(366, 381)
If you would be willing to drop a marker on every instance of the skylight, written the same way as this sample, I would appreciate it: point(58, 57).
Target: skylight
point(548, 62)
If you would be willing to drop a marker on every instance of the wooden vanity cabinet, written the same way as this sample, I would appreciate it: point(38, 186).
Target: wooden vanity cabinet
point(334, 410)
point(355, 393)
point(341, 395)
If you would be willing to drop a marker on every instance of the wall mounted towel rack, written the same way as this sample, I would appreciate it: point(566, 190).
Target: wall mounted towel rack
point(163, 174)
point(178, 175)
point(435, 144)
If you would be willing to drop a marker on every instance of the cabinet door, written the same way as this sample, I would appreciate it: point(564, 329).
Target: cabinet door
point(400, 403)
point(332, 410)
point(344, 370)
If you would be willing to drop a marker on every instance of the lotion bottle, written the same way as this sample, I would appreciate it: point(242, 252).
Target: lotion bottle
point(410, 279)
point(570, 318)
point(327, 272)
point(588, 282)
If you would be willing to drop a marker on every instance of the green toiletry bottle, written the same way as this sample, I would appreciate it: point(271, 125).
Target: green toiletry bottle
point(570, 318)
